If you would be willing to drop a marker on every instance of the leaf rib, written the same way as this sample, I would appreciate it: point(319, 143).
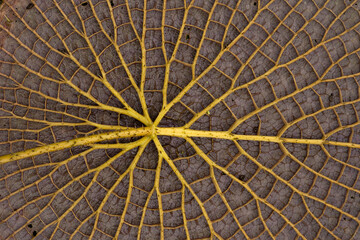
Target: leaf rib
point(132, 112)
point(187, 185)
point(110, 191)
point(276, 66)
point(255, 196)
point(195, 80)
point(75, 142)
point(67, 81)
point(168, 62)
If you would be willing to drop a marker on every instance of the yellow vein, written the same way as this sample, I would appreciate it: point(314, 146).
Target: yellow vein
point(212, 163)
point(139, 92)
point(183, 212)
point(288, 184)
point(265, 75)
point(76, 142)
point(194, 81)
point(58, 165)
point(109, 192)
point(183, 133)
point(143, 63)
point(286, 151)
point(317, 220)
point(103, 79)
point(57, 220)
point(182, 179)
point(263, 220)
point(68, 81)
point(158, 193)
point(144, 213)
point(168, 62)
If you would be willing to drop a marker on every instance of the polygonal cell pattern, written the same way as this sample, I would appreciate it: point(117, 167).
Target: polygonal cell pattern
point(179, 119)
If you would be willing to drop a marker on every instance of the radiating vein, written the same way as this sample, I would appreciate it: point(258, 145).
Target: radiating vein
point(287, 152)
point(275, 67)
point(183, 212)
point(246, 186)
point(130, 170)
point(182, 179)
point(143, 63)
point(132, 112)
point(168, 62)
point(194, 81)
point(342, 136)
point(75, 142)
point(140, 90)
point(57, 166)
point(132, 80)
point(223, 198)
point(144, 213)
point(67, 81)
point(263, 220)
point(59, 190)
point(291, 186)
point(258, 110)
point(183, 133)
point(62, 123)
point(129, 110)
point(317, 220)
point(158, 193)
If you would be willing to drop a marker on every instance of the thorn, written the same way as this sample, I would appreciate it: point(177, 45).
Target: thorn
point(30, 6)
point(63, 50)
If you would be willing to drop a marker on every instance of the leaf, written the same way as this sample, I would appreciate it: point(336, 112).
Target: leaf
point(227, 119)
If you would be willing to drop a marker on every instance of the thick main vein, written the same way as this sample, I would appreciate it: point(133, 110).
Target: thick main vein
point(184, 133)
point(174, 132)
point(76, 142)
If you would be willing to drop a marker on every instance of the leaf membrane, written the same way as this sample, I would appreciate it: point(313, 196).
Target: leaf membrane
point(224, 119)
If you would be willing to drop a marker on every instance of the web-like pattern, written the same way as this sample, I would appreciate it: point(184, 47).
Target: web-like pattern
point(179, 119)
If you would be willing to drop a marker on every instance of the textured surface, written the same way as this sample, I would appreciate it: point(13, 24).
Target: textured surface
point(179, 119)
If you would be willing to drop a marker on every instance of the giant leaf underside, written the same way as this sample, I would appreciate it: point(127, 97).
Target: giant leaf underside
point(179, 119)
